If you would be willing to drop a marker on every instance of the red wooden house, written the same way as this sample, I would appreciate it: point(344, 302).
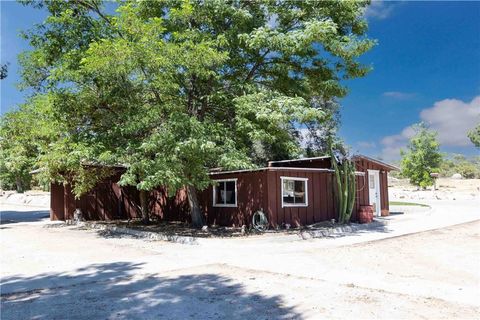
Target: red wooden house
point(296, 192)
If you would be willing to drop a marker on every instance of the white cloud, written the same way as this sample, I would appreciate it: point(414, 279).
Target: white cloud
point(451, 118)
point(366, 144)
point(393, 144)
point(399, 95)
point(379, 10)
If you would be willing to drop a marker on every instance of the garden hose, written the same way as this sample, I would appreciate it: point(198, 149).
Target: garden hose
point(260, 221)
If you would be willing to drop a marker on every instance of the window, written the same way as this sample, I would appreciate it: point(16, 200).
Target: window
point(294, 192)
point(371, 181)
point(225, 193)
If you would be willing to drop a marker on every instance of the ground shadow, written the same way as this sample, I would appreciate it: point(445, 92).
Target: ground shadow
point(110, 291)
point(23, 216)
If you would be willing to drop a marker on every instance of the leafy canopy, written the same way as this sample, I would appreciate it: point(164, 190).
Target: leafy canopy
point(171, 88)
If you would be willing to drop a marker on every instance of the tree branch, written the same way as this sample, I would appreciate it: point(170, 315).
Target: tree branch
point(257, 64)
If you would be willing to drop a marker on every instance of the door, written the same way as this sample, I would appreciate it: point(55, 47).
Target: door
point(374, 191)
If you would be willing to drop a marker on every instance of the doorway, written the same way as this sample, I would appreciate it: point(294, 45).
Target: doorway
point(374, 191)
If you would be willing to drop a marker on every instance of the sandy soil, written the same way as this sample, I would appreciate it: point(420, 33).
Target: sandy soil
point(29, 198)
point(447, 189)
point(54, 272)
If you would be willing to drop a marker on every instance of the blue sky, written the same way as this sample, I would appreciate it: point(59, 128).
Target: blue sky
point(426, 67)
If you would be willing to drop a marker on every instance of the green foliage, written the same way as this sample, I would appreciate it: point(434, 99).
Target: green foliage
point(24, 134)
point(474, 136)
point(3, 71)
point(422, 157)
point(403, 203)
point(457, 163)
point(170, 89)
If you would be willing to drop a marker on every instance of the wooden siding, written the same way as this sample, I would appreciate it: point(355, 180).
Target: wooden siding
point(321, 204)
point(251, 197)
point(56, 202)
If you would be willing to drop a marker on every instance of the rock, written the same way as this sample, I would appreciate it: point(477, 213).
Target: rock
point(457, 176)
point(306, 235)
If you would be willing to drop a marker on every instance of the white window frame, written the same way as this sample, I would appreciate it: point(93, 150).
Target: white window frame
point(306, 192)
point(214, 187)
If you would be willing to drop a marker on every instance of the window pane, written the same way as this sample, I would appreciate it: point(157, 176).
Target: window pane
point(288, 186)
point(299, 191)
point(220, 193)
point(371, 181)
point(230, 192)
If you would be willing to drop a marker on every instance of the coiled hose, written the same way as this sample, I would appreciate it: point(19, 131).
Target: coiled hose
point(260, 221)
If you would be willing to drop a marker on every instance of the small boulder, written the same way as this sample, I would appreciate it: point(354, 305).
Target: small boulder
point(457, 176)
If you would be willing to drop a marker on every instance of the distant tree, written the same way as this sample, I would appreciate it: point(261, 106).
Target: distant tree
point(474, 136)
point(172, 88)
point(25, 133)
point(457, 163)
point(422, 157)
point(3, 71)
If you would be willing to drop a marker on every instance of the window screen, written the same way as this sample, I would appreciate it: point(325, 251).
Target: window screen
point(294, 192)
point(224, 193)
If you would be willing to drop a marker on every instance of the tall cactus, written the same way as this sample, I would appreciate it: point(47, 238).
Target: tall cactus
point(345, 188)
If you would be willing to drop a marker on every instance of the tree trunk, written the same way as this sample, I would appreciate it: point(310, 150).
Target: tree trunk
point(18, 182)
point(196, 213)
point(144, 206)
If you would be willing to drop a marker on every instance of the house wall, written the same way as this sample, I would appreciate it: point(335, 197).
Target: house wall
point(251, 197)
point(321, 204)
point(256, 190)
point(56, 202)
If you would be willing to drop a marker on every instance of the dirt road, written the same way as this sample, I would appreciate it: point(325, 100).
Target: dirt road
point(54, 272)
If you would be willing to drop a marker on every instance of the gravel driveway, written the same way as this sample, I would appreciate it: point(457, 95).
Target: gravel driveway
point(50, 271)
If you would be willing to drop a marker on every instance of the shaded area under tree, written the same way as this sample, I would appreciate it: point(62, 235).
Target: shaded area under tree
point(110, 291)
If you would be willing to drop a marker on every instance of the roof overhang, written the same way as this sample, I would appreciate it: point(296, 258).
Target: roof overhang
point(297, 160)
point(380, 163)
point(218, 172)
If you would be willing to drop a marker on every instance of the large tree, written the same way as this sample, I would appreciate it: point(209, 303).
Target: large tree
point(172, 88)
point(422, 156)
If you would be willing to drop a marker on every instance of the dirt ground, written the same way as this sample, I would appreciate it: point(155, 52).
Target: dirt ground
point(50, 271)
point(446, 189)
